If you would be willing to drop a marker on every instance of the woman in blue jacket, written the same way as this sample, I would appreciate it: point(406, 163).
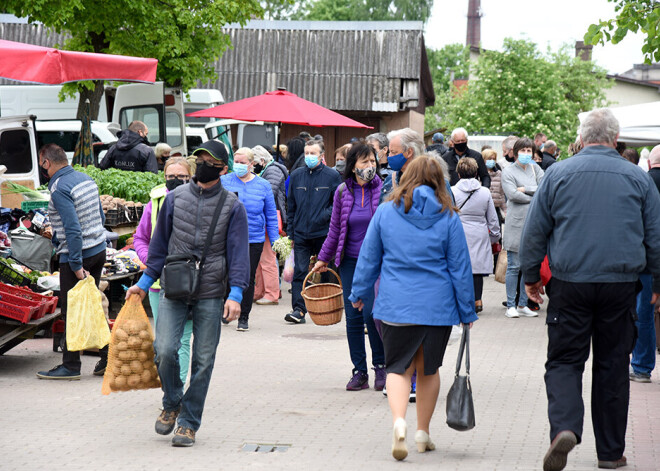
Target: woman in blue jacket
point(257, 196)
point(415, 243)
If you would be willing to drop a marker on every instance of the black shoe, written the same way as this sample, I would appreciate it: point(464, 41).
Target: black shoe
point(183, 436)
point(224, 321)
point(295, 317)
point(99, 369)
point(556, 457)
point(505, 304)
point(59, 372)
point(166, 421)
point(532, 306)
point(242, 325)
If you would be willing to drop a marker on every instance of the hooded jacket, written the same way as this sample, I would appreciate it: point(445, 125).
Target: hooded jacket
point(423, 262)
point(130, 153)
point(276, 174)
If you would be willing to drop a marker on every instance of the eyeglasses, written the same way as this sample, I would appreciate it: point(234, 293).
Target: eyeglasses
point(209, 164)
point(180, 177)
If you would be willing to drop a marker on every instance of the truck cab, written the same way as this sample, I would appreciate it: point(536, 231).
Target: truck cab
point(18, 153)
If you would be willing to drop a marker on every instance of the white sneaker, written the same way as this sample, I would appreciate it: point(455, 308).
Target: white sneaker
point(526, 312)
point(511, 312)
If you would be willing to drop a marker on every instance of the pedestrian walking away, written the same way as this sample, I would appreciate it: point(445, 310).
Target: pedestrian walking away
point(594, 284)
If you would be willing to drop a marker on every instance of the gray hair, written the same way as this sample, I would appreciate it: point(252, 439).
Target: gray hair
point(599, 127)
point(314, 142)
point(262, 155)
point(459, 131)
point(549, 145)
point(380, 138)
point(409, 140)
point(509, 142)
point(434, 154)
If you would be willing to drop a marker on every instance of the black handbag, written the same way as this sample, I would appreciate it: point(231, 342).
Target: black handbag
point(460, 408)
point(182, 272)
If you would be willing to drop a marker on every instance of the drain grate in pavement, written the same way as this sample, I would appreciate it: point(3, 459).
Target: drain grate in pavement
point(265, 447)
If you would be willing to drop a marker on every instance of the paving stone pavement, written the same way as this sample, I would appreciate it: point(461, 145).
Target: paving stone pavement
point(284, 384)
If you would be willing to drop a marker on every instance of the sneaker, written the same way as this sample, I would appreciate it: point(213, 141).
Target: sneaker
point(166, 421)
point(512, 313)
point(59, 372)
point(527, 312)
point(242, 326)
point(385, 391)
point(224, 321)
point(533, 306)
point(266, 302)
point(381, 377)
point(556, 457)
point(183, 436)
point(99, 369)
point(359, 381)
point(639, 377)
point(295, 317)
point(620, 463)
point(413, 392)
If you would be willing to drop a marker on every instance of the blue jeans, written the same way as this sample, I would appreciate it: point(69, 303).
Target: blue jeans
point(356, 320)
point(512, 270)
point(184, 351)
point(172, 318)
point(643, 355)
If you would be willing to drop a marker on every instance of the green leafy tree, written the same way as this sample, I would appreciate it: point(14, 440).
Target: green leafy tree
point(281, 9)
point(365, 10)
point(184, 35)
point(522, 91)
point(631, 15)
point(453, 60)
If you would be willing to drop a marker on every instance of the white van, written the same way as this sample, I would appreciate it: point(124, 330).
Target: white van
point(65, 134)
point(18, 153)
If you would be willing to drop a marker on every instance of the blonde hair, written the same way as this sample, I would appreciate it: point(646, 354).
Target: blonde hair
point(467, 167)
point(246, 151)
point(178, 161)
point(422, 170)
point(489, 154)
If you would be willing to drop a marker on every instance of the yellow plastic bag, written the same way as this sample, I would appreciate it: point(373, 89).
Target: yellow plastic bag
point(86, 326)
point(131, 353)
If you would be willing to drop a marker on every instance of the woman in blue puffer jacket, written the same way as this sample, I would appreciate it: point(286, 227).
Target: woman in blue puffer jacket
point(415, 242)
point(257, 196)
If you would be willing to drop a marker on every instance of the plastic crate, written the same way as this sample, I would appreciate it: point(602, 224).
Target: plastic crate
point(112, 218)
point(27, 206)
point(49, 301)
point(132, 214)
point(22, 313)
point(12, 277)
point(21, 301)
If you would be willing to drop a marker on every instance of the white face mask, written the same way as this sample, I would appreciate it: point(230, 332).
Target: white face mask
point(524, 158)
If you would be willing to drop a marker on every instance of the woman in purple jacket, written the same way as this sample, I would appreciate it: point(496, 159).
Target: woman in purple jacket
point(354, 205)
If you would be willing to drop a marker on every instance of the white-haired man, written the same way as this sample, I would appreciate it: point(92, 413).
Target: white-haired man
point(598, 219)
point(459, 137)
point(404, 145)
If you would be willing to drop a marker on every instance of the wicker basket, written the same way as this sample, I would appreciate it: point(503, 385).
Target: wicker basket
point(324, 301)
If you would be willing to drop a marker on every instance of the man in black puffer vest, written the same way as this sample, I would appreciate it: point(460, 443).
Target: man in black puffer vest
point(132, 151)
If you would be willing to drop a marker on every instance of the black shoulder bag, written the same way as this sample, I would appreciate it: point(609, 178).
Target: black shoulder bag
point(460, 408)
point(182, 272)
point(466, 199)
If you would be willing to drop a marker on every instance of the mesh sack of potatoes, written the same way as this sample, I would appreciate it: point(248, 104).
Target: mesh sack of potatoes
point(131, 354)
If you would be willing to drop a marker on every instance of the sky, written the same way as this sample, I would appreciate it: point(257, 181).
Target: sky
point(551, 23)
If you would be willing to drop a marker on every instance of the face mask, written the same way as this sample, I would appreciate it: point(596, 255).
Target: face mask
point(311, 160)
point(460, 146)
point(258, 168)
point(366, 174)
point(524, 159)
point(206, 174)
point(172, 184)
point(542, 146)
point(396, 162)
point(340, 166)
point(490, 163)
point(509, 158)
point(240, 169)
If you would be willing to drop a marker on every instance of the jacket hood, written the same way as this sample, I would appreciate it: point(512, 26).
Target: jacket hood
point(129, 139)
point(468, 184)
point(425, 210)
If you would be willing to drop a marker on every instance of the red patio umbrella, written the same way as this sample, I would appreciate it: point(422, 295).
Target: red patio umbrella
point(279, 106)
point(37, 64)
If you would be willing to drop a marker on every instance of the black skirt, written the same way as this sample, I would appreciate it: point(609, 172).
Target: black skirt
point(402, 342)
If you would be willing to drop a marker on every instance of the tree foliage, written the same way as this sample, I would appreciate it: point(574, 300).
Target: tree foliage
point(184, 35)
point(521, 91)
point(631, 15)
point(352, 10)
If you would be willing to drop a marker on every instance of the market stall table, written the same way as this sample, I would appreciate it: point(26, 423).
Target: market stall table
point(13, 332)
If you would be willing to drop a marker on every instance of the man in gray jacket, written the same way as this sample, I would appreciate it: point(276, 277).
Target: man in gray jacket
point(598, 219)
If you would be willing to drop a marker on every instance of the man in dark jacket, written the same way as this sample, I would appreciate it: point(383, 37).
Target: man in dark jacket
point(459, 137)
point(549, 153)
point(132, 151)
point(598, 219)
point(182, 229)
point(437, 145)
point(311, 193)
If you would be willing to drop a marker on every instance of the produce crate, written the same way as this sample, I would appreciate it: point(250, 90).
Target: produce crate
point(112, 218)
point(132, 213)
point(27, 206)
point(21, 301)
point(140, 210)
point(50, 302)
point(20, 312)
point(12, 277)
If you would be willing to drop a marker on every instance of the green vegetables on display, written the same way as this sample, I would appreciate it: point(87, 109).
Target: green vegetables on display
point(131, 186)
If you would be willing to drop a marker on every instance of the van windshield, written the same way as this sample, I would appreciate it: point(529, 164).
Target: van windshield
point(15, 151)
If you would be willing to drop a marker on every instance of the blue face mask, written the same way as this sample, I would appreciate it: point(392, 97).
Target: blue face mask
point(396, 162)
point(525, 159)
point(490, 163)
point(311, 160)
point(240, 169)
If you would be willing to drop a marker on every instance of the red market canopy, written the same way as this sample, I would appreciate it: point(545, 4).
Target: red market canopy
point(279, 106)
point(37, 64)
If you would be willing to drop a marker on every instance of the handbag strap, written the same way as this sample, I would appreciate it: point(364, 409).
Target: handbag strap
point(466, 199)
point(214, 222)
point(465, 346)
